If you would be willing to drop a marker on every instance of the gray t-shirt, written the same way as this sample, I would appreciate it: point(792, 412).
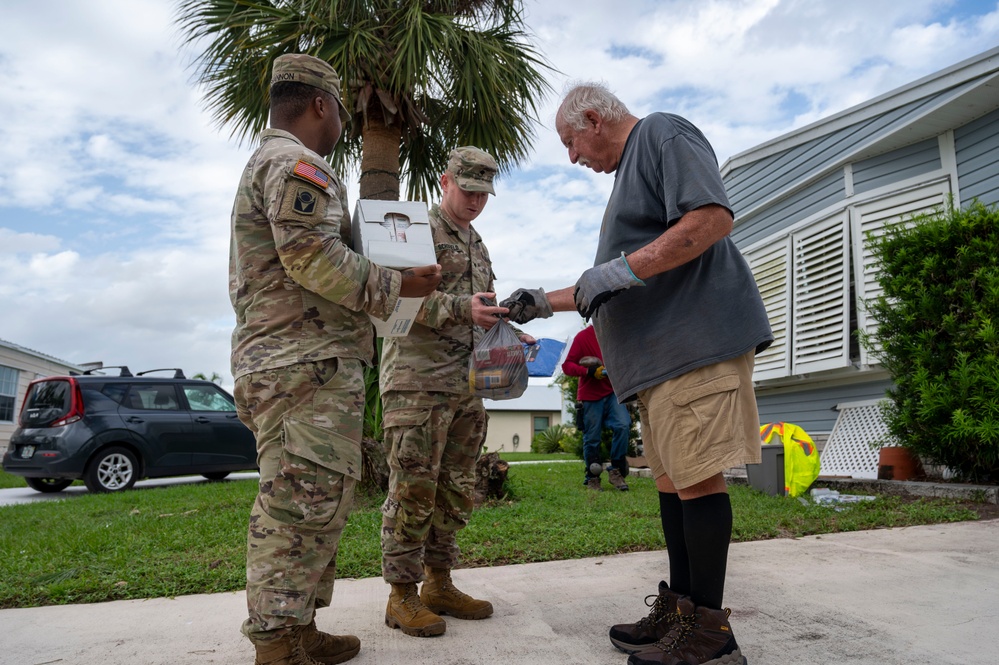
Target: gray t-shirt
point(703, 312)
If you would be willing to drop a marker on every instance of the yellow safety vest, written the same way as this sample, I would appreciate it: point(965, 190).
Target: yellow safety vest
point(801, 459)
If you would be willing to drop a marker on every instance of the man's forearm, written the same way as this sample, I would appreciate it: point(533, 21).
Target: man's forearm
point(561, 300)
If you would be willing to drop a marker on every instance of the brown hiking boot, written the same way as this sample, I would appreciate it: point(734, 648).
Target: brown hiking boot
point(593, 483)
point(406, 612)
point(328, 649)
point(700, 636)
point(633, 637)
point(440, 595)
point(617, 480)
point(285, 650)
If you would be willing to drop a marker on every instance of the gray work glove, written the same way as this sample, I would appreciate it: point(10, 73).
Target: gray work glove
point(527, 304)
point(601, 283)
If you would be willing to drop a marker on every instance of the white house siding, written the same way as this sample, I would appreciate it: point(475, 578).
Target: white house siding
point(29, 365)
point(504, 425)
point(977, 147)
point(515, 417)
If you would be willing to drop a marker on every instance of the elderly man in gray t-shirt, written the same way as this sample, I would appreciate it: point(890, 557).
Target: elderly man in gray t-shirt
point(682, 342)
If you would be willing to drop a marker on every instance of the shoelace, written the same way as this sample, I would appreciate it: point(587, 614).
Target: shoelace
point(682, 629)
point(412, 601)
point(447, 587)
point(658, 610)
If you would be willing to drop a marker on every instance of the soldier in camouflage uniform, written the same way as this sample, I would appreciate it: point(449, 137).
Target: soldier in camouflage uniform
point(302, 338)
point(433, 424)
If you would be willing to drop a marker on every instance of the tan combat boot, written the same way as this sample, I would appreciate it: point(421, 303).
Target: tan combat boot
point(285, 650)
point(406, 612)
point(440, 595)
point(328, 649)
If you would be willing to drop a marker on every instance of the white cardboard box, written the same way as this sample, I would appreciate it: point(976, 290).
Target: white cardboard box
point(394, 234)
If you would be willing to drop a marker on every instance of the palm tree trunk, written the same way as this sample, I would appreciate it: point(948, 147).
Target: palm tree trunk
point(380, 157)
point(379, 180)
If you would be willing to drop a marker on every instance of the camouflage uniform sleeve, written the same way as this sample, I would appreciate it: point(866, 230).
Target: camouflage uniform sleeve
point(441, 309)
point(308, 221)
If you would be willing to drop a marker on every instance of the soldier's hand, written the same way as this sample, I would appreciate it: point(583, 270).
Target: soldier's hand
point(601, 283)
point(485, 313)
point(420, 281)
point(527, 304)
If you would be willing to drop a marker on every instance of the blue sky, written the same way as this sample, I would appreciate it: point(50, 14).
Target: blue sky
point(116, 187)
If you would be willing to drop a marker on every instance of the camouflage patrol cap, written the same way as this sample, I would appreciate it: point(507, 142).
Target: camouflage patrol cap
point(301, 68)
point(473, 169)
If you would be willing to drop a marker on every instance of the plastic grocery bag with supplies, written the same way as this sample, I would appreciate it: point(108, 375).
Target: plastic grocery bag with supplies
point(497, 368)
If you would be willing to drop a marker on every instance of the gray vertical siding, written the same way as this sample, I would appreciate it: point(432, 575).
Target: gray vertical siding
point(813, 409)
point(897, 165)
point(977, 146)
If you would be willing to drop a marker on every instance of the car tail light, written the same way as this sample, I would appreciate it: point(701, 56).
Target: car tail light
point(75, 406)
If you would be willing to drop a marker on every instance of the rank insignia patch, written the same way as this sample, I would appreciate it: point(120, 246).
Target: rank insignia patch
point(309, 172)
point(305, 202)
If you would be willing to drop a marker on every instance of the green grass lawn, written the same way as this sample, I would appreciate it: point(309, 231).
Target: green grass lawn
point(185, 539)
point(8, 480)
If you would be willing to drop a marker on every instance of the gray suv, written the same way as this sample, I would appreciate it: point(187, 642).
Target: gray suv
point(113, 430)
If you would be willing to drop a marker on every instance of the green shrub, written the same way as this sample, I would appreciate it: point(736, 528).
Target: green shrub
point(937, 331)
point(552, 439)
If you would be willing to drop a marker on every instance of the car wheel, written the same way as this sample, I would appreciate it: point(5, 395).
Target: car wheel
point(216, 475)
point(111, 470)
point(48, 485)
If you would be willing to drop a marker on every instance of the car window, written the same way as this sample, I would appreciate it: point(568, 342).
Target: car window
point(155, 397)
point(207, 398)
point(115, 391)
point(47, 401)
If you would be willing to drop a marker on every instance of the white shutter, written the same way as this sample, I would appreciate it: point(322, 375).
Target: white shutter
point(821, 300)
point(771, 266)
point(874, 217)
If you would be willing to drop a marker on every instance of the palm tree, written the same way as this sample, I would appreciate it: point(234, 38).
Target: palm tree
point(419, 77)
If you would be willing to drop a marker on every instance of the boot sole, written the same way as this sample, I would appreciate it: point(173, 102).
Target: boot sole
point(339, 658)
point(426, 631)
point(630, 648)
point(730, 659)
point(481, 614)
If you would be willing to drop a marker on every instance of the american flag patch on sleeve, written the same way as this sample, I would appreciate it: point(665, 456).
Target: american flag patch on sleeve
point(309, 172)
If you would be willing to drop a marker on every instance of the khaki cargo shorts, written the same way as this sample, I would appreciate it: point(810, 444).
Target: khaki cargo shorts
point(697, 425)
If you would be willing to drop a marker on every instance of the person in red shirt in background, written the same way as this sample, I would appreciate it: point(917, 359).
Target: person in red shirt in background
point(600, 409)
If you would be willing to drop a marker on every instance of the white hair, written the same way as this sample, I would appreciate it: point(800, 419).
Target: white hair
point(590, 96)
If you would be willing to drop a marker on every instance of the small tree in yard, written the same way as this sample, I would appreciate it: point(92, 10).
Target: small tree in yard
point(937, 335)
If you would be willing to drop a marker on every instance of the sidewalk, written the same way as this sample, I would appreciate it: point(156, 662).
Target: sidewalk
point(918, 595)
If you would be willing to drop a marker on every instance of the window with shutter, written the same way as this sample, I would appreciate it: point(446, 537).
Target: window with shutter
point(821, 297)
point(873, 217)
point(771, 268)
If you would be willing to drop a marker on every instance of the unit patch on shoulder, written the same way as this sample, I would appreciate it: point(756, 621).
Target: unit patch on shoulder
point(305, 201)
point(307, 171)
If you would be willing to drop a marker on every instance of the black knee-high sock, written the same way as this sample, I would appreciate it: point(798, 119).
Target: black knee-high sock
point(707, 528)
point(671, 514)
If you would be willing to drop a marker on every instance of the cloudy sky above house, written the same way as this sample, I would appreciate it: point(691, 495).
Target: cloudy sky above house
point(116, 187)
